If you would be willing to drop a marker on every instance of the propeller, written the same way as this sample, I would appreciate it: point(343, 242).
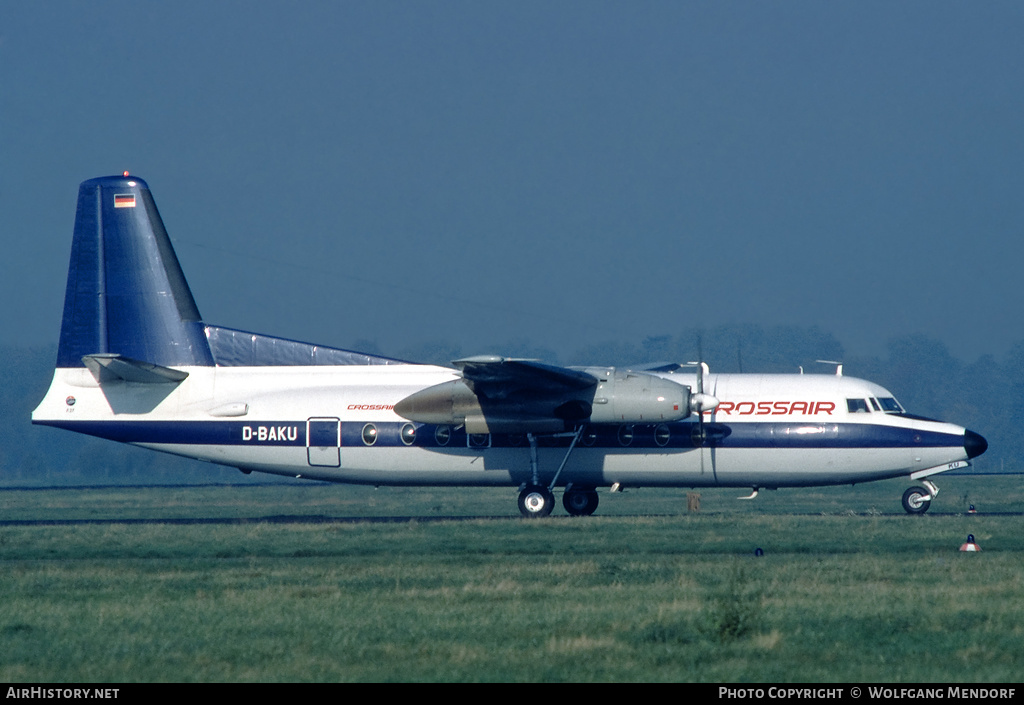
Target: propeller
point(701, 402)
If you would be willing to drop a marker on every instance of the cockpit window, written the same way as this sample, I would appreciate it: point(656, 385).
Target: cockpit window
point(874, 404)
point(891, 406)
point(857, 406)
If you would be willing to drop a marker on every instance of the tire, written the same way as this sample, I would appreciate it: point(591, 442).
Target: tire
point(914, 502)
point(536, 502)
point(580, 503)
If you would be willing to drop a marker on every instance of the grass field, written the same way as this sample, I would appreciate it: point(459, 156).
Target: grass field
point(266, 584)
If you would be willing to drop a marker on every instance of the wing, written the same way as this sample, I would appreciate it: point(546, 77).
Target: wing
point(508, 395)
point(497, 377)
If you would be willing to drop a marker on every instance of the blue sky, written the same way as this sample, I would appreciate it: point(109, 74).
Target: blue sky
point(562, 173)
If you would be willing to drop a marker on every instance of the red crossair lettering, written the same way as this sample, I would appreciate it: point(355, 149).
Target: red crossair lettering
point(772, 408)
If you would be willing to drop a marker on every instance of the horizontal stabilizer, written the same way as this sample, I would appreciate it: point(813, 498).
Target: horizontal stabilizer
point(108, 367)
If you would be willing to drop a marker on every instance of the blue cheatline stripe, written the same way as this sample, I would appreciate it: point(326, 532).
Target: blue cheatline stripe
point(678, 436)
point(280, 433)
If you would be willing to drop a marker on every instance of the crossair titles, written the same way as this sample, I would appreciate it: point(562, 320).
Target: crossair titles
point(773, 408)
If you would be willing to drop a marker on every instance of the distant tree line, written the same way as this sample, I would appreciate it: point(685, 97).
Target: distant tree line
point(986, 395)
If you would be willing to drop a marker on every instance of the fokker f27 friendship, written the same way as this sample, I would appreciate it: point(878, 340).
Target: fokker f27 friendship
point(137, 364)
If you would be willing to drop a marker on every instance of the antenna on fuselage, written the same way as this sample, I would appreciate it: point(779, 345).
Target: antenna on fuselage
point(839, 366)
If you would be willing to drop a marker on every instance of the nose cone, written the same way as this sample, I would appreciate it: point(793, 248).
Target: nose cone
point(974, 444)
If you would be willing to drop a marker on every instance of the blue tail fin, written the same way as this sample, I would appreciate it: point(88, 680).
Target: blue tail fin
point(126, 293)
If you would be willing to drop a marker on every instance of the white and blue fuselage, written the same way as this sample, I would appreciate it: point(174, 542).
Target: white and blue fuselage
point(339, 424)
point(136, 364)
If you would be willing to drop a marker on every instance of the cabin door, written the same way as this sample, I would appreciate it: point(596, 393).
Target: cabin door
point(323, 442)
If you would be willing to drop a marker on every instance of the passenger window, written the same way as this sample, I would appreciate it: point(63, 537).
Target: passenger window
point(442, 434)
point(625, 435)
point(857, 406)
point(408, 434)
point(662, 435)
point(369, 434)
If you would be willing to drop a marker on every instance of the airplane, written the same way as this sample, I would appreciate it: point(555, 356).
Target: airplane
point(137, 364)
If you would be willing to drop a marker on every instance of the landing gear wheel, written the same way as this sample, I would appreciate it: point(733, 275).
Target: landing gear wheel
point(536, 501)
point(580, 503)
point(914, 500)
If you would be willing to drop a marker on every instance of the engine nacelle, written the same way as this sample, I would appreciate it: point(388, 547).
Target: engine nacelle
point(630, 397)
point(617, 397)
point(454, 403)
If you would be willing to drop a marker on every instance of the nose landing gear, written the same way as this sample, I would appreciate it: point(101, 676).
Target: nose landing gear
point(916, 500)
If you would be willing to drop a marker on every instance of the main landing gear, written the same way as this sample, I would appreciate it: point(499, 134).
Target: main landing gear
point(579, 502)
point(537, 500)
point(916, 500)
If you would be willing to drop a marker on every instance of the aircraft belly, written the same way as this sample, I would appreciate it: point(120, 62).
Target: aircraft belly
point(769, 467)
point(279, 461)
point(419, 466)
point(797, 467)
point(496, 466)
